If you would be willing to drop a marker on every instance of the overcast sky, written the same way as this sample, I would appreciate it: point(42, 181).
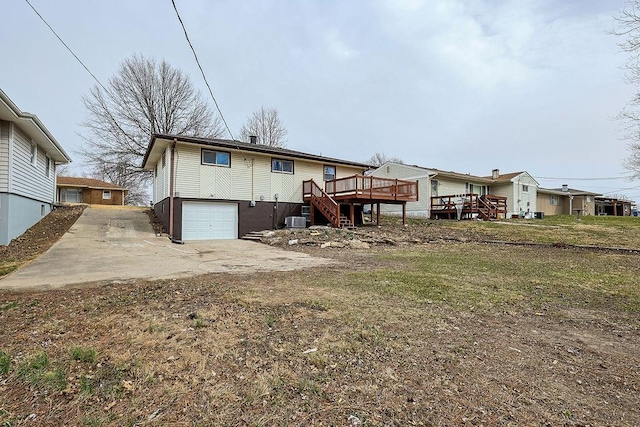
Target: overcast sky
point(467, 86)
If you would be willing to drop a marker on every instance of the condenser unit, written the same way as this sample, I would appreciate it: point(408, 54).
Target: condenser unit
point(295, 222)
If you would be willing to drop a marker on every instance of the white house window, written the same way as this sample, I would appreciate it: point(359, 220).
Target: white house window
point(216, 158)
point(155, 170)
point(164, 158)
point(106, 194)
point(434, 187)
point(329, 173)
point(282, 166)
point(555, 200)
point(47, 167)
point(34, 154)
point(525, 188)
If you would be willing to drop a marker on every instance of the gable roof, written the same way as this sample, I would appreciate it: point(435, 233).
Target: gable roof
point(72, 181)
point(462, 176)
point(159, 142)
point(34, 128)
point(439, 172)
point(569, 192)
point(503, 177)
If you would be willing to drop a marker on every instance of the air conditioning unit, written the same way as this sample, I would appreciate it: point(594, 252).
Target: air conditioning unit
point(295, 222)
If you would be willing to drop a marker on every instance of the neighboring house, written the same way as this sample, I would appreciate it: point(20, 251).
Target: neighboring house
point(613, 206)
point(29, 155)
point(439, 189)
point(89, 190)
point(224, 189)
point(566, 201)
point(519, 188)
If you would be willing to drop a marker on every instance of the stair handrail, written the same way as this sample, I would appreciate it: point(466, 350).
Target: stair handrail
point(331, 207)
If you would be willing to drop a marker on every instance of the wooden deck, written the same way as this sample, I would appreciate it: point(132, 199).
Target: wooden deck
point(487, 207)
point(356, 189)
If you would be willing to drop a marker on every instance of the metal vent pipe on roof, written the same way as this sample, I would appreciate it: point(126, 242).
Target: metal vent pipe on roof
point(253, 139)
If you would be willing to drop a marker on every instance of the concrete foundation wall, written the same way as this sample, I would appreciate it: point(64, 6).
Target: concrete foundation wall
point(17, 214)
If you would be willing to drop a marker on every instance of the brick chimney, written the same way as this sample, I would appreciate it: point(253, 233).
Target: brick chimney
point(495, 173)
point(253, 139)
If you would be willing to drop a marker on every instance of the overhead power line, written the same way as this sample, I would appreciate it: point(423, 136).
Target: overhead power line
point(584, 179)
point(200, 67)
point(113, 120)
point(65, 45)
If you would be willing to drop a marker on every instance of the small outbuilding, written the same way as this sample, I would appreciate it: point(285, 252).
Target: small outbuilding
point(89, 190)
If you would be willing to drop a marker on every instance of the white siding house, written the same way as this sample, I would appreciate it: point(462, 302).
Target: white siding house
point(225, 189)
point(28, 158)
point(431, 183)
point(519, 187)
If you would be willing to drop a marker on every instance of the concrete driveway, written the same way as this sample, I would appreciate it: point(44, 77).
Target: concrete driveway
point(116, 244)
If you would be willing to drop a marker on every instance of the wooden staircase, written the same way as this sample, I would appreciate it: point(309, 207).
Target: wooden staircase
point(490, 206)
point(328, 207)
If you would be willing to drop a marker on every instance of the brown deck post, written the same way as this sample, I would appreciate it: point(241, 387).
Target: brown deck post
point(352, 214)
point(378, 213)
point(404, 214)
point(312, 208)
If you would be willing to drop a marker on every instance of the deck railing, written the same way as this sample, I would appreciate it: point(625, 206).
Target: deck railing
point(321, 200)
point(486, 206)
point(374, 188)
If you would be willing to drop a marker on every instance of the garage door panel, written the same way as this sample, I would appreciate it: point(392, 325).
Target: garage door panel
point(209, 221)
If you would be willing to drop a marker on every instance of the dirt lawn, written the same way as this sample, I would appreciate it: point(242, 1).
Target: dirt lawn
point(418, 333)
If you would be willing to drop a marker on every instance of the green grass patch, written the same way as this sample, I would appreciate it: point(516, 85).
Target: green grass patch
point(38, 372)
point(8, 267)
point(8, 306)
point(498, 277)
point(5, 363)
point(84, 355)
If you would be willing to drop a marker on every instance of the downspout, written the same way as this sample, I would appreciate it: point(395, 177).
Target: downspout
point(430, 193)
point(171, 172)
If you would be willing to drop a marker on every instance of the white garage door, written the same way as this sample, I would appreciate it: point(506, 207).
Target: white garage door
point(209, 221)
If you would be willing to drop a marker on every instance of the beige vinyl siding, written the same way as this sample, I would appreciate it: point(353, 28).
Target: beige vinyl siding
point(409, 173)
point(187, 171)
point(248, 178)
point(4, 156)
point(29, 180)
point(400, 171)
point(544, 204)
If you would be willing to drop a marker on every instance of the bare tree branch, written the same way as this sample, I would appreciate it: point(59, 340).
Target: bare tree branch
point(267, 126)
point(379, 159)
point(143, 98)
point(629, 28)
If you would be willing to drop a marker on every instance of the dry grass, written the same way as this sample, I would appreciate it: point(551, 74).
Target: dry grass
point(430, 334)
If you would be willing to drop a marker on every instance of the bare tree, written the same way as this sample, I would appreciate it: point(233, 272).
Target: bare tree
point(379, 159)
point(136, 184)
point(629, 28)
point(143, 98)
point(267, 126)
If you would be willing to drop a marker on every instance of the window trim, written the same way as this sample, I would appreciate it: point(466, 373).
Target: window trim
point(283, 161)
point(104, 193)
point(206, 150)
point(34, 154)
point(335, 172)
point(47, 167)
